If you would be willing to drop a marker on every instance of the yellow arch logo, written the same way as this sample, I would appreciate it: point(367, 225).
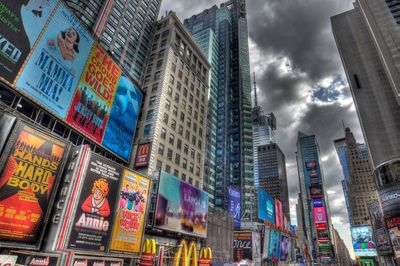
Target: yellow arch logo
point(205, 256)
point(185, 256)
point(149, 246)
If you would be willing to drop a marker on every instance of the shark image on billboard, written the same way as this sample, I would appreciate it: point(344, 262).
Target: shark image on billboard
point(55, 66)
point(123, 118)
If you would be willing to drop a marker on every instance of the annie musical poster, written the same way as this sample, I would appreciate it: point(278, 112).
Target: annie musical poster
point(92, 224)
point(27, 183)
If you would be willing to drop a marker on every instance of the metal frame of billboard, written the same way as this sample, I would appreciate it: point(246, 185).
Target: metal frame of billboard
point(19, 125)
point(48, 110)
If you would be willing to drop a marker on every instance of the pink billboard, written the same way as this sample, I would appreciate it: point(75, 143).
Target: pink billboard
point(278, 213)
point(319, 215)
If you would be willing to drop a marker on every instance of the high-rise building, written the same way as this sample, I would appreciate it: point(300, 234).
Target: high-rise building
point(175, 107)
point(343, 257)
point(316, 215)
point(368, 38)
point(124, 28)
point(272, 174)
point(360, 186)
point(222, 31)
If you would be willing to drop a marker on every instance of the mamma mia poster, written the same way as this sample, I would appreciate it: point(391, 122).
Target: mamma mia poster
point(55, 66)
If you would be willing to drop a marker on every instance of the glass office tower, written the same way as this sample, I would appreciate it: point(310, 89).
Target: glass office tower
point(223, 30)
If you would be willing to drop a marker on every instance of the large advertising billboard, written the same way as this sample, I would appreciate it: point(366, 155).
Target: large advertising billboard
point(242, 246)
point(316, 191)
point(27, 183)
point(319, 215)
point(91, 104)
point(234, 206)
point(284, 248)
point(390, 199)
point(55, 66)
point(266, 210)
point(381, 235)
point(393, 224)
point(265, 248)
point(20, 25)
point(363, 244)
point(130, 217)
point(92, 223)
point(123, 118)
point(318, 203)
point(256, 248)
point(274, 244)
point(278, 213)
point(181, 207)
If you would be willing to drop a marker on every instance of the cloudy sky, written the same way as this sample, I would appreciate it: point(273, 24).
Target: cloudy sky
point(301, 79)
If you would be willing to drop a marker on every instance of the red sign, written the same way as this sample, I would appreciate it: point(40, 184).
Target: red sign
point(146, 259)
point(320, 226)
point(393, 222)
point(143, 155)
point(205, 262)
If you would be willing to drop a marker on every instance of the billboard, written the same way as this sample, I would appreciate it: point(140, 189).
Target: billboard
point(390, 199)
point(143, 155)
point(381, 236)
point(318, 203)
point(265, 206)
point(284, 248)
point(123, 118)
point(181, 207)
point(322, 235)
point(96, 261)
point(278, 213)
point(274, 244)
point(242, 246)
point(92, 223)
point(316, 191)
point(267, 232)
point(321, 226)
point(53, 70)
point(256, 248)
point(310, 165)
point(130, 217)
point(27, 183)
point(393, 224)
point(234, 206)
point(319, 215)
point(20, 25)
point(363, 244)
point(36, 258)
point(91, 105)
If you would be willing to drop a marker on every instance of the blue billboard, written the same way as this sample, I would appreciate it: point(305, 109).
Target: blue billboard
point(266, 210)
point(52, 73)
point(123, 118)
point(234, 206)
point(274, 244)
point(318, 202)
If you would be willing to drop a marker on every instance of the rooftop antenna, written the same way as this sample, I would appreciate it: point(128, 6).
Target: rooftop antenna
point(255, 90)
point(344, 127)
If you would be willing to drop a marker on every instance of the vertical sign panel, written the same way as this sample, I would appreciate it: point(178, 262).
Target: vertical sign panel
point(20, 25)
point(53, 70)
point(143, 155)
point(234, 206)
point(92, 224)
point(130, 217)
point(91, 105)
point(27, 184)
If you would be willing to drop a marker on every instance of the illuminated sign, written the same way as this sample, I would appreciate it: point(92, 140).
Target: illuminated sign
point(363, 244)
point(319, 215)
point(143, 155)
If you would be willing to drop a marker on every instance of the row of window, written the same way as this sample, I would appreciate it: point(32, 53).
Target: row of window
point(176, 173)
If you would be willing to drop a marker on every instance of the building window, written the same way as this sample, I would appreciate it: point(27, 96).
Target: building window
point(167, 105)
point(173, 124)
point(184, 164)
point(163, 134)
point(161, 149)
point(169, 91)
point(158, 166)
point(152, 100)
point(171, 139)
point(175, 111)
point(177, 159)
point(150, 115)
point(169, 154)
point(146, 130)
point(179, 144)
point(186, 149)
point(176, 173)
point(165, 118)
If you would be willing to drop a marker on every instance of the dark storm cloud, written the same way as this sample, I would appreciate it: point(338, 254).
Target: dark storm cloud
point(300, 78)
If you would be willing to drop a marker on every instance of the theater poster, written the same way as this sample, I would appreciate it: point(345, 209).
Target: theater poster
point(131, 213)
point(92, 223)
point(28, 180)
point(20, 25)
point(96, 261)
point(52, 72)
point(123, 118)
point(91, 104)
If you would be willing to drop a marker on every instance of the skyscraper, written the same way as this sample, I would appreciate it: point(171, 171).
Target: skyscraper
point(316, 216)
point(272, 174)
point(360, 186)
point(124, 27)
point(174, 110)
point(222, 31)
point(368, 38)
